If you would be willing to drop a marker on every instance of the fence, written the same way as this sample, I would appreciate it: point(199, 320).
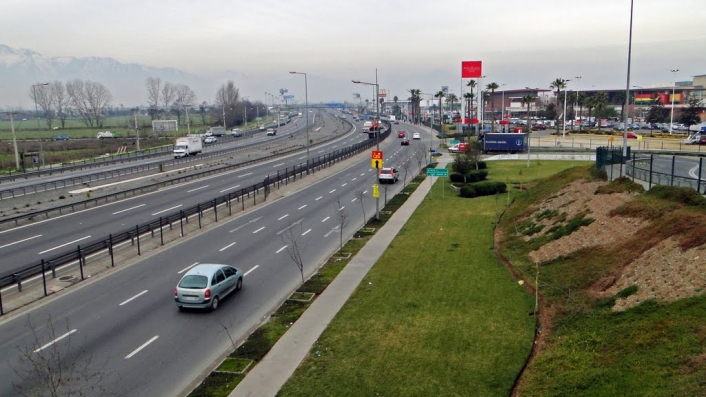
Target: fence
point(107, 251)
point(651, 169)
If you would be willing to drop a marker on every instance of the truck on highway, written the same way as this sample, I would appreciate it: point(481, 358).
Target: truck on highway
point(216, 131)
point(367, 125)
point(189, 146)
point(504, 142)
point(104, 134)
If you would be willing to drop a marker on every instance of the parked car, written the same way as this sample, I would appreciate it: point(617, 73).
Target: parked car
point(210, 139)
point(205, 285)
point(388, 175)
point(416, 135)
point(539, 126)
point(61, 138)
point(401, 134)
point(405, 142)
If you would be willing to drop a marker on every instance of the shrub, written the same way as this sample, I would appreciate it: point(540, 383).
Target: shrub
point(481, 165)
point(598, 174)
point(684, 195)
point(487, 188)
point(620, 185)
point(477, 175)
point(467, 191)
point(456, 178)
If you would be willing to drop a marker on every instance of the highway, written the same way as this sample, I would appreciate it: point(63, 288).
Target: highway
point(32, 242)
point(128, 321)
point(249, 138)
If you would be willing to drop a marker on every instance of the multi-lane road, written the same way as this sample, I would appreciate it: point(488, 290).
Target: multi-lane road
point(127, 322)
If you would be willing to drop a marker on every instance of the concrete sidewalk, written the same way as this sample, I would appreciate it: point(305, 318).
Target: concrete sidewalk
point(270, 374)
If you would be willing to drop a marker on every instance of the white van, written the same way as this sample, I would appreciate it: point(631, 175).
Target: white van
point(235, 132)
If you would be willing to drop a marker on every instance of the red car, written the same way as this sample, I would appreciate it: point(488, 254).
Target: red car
point(632, 135)
point(539, 127)
point(401, 134)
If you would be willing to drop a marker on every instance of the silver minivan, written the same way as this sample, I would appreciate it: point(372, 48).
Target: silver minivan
point(205, 285)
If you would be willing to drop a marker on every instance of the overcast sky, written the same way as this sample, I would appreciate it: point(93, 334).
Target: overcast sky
point(414, 44)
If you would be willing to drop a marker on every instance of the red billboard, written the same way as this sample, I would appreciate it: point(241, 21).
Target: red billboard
point(471, 69)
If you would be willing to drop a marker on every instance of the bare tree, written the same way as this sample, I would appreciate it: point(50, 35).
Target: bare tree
point(292, 238)
point(60, 101)
point(154, 90)
point(421, 157)
point(202, 110)
point(342, 217)
point(360, 195)
point(61, 368)
point(227, 99)
point(90, 100)
point(41, 95)
point(184, 97)
point(168, 94)
point(407, 167)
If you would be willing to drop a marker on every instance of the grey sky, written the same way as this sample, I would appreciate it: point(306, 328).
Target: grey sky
point(414, 44)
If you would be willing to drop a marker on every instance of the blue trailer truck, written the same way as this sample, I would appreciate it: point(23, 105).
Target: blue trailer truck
point(504, 142)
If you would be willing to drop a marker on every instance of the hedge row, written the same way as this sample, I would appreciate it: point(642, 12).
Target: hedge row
point(473, 176)
point(485, 188)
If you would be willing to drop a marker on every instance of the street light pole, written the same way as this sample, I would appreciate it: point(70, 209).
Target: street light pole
point(627, 94)
point(671, 100)
point(36, 114)
point(306, 114)
point(502, 109)
point(481, 105)
point(577, 101)
point(377, 133)
point(14, 140)
point(563, 133)
point(137, 131)
point(245, 112)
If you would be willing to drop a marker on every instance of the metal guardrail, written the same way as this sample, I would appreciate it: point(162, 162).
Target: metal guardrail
point(642, 168)
point(79, 180)
point(17, 275)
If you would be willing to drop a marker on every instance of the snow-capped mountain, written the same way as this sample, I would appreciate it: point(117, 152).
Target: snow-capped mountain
point(20, 68)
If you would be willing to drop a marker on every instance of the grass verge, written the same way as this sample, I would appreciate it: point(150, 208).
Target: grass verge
point(437, 314)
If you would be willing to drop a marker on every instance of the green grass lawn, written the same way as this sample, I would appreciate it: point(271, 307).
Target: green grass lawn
point(438, 314)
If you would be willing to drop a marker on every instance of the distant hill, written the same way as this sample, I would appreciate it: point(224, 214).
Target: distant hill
point(20, 68)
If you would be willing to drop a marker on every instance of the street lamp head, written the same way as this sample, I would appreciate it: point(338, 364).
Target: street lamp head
point(356, 81)
point(674, 70)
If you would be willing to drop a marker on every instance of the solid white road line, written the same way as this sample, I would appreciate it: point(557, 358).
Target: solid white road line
point(258, 230)
point(281, 249)
point(282, 217)
point(94, 188)
point(250, 271)
point(126, 209)
point(142, 347)
point(305, 233)
point(289, 227)
point(127, 301)
point(55, 340)
point(230, 188)
point(198, 188)
point(277, 165)
point(302, 207)
point(168, 209)
point(20, 241)
point(325, 219)
point(249, 173)
point(187, 268)
point(301, 158)
point(63, 245)
point(319, 198)
point(226, 247)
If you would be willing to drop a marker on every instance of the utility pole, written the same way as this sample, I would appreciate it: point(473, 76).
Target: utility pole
point(36, 112)
point(14, 141)
point(137, 130)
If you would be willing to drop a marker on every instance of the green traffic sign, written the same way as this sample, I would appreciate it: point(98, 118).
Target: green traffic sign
point(453, 141)
point(437, 172)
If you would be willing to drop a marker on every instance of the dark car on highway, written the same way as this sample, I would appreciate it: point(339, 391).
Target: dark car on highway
point(405, 142)
point(61, 138)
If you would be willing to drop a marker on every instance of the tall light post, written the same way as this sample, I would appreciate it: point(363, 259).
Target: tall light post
point(14, 140)
point(481, 105)
point(502, 109)
point(671, 100)
point(577, 101)
point(377, 133)
point(431, 125)
point(137, 130)
point(306, 114)
point(563, 133)
point(36, 114)
point(245, 112)
point(627, 95)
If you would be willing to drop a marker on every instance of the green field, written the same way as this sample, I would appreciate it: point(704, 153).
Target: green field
point(438, 314)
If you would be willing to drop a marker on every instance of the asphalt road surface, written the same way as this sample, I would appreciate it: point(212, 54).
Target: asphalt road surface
point(128, 323)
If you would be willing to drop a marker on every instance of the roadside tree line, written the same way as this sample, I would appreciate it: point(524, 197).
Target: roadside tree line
point(84, 99)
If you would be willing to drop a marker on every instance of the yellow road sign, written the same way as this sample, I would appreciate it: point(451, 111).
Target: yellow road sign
point(377, 164)
point(376, 190)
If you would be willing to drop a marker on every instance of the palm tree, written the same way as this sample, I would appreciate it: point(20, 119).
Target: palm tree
point(619, 99)
point(528, 100)
point(415, 100)
point(558, 84)
point(492, 87)
point(396, 110)
point(590, 103)
point(440, 95)
point(469, 105)
point(451, 98)
point(600, 102)
point(580, 98)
